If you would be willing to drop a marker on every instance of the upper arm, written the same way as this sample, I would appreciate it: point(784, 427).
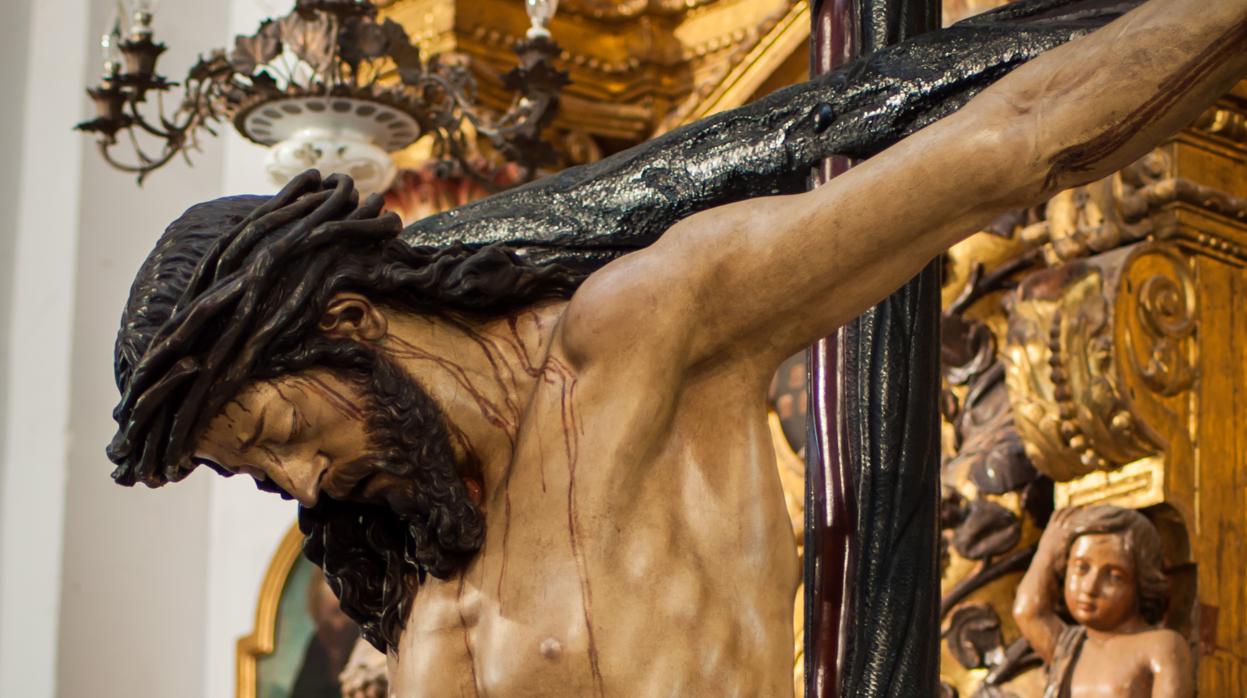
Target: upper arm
point(766, 277)
point(1172, 675)
point(1041, 626)
point(1043, 633)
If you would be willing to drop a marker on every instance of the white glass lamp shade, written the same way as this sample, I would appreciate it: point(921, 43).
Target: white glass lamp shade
point(540, 12)
point(332, 151)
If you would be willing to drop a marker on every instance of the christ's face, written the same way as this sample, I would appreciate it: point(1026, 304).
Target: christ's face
point(305, 433)
point(1101, 589)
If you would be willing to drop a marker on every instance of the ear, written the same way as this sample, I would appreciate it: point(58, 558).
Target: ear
point(352, 316)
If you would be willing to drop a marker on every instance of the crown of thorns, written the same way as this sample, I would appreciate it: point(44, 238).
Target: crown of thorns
point(217, 331)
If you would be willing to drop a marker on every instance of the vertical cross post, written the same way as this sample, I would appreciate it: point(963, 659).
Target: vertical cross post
point(872, 581)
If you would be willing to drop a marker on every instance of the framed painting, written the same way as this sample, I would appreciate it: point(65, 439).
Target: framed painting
point(302, 640)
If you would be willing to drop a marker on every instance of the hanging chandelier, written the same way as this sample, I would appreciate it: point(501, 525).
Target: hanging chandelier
point(328, 86)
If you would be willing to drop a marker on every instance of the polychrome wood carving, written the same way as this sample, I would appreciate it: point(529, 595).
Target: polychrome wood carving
point(543, 466)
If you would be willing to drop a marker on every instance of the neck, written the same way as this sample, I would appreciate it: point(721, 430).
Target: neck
point(480, 374)
point(1133, 625)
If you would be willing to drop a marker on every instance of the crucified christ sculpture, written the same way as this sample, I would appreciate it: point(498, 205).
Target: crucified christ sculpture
point(526, 480)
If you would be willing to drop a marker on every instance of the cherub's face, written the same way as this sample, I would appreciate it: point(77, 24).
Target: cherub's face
point(1101, 589)
point(306, 433)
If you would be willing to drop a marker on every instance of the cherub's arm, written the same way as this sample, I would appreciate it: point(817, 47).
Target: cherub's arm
point(1034, 607)
point(1172, 675)
point(763, 278)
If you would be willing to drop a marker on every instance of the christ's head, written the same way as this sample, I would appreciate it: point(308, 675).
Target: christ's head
point(249, 345)
point(1113, 571)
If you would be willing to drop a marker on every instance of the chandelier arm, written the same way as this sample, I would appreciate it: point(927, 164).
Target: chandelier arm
point(520, 117)
point(137, 119)
point(455, 98)
point(142, 170)
point(172, 127)
point(458, 153)
point(199, 109)
point(515, 120)
point(146, 161)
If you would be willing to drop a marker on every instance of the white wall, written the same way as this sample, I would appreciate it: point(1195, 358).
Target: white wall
point(105, 591)
point(36, 385)
point(14, 47)
point(134, 569)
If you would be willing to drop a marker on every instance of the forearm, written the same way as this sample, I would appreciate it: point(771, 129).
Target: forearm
point(1070, 116)
point(1034, 606)
point(1093, 106)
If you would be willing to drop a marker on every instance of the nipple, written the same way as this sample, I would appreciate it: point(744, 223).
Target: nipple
point(551, 649)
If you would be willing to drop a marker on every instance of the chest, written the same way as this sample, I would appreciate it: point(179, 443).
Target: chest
point(1114, 669)
point(628, 531)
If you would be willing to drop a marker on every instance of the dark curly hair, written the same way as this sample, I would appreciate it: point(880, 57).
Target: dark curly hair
point(1141, 541)
point(234, 292)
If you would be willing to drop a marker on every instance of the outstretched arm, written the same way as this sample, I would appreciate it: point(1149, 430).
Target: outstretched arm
point(763, 278)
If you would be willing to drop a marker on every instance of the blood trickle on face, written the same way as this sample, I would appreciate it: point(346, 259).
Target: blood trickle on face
point(1101, 588)
point(304, 433)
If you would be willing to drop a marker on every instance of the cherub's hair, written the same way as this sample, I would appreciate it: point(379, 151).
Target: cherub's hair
point(234, 292)
point(1141, 541)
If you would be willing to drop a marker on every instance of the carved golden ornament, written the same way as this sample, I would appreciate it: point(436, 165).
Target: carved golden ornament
point(1135, 486)
point(629, 9)
point(1132, 205)
point(1061, 372)
point(1159, 338)
point(637, 66)
point(957, 10)
point(1124, 368)
point(1227, 118)
point(1226, 123)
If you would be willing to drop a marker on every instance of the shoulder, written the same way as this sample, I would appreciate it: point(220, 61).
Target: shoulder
point(1165, 640)
point(633, 309)
point(1163, 647)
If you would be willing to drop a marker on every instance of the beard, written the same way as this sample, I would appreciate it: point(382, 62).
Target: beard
point(424, 483)
point(407, 514)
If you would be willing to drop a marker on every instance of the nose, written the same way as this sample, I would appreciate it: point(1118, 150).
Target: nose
point(299, 475)
point(1093, 582)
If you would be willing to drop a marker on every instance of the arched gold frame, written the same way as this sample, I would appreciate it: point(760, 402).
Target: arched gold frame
point(262, 639)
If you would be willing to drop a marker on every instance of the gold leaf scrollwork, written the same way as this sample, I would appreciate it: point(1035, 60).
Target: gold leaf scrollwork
point(1161, 341)
point(1063, 378)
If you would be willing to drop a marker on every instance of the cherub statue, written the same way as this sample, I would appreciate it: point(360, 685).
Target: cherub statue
point(1103, 565)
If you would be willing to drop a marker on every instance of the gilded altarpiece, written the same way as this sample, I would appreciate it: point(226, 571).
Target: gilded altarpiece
point(1095, 350)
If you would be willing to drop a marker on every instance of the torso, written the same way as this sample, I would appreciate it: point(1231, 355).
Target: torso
point(640, 547)
point(1117, 667)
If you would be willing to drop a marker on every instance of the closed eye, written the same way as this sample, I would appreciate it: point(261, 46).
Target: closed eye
point(246, 443)
point(296, 425)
